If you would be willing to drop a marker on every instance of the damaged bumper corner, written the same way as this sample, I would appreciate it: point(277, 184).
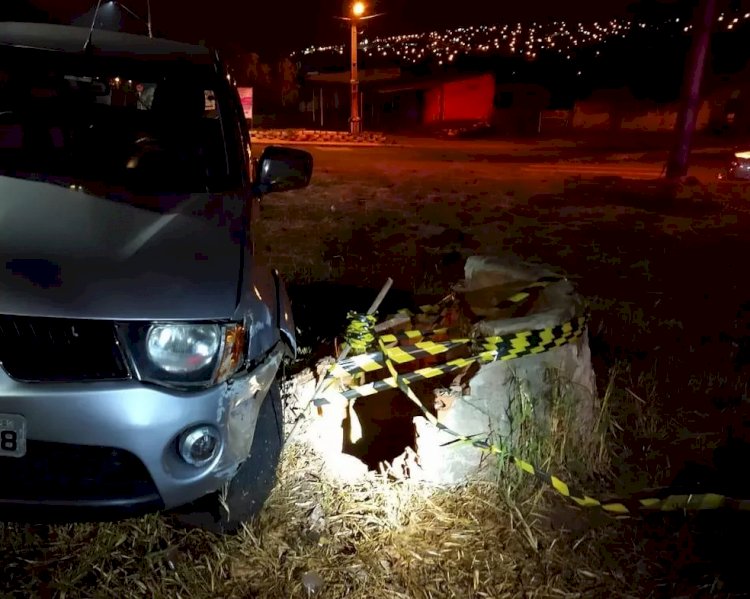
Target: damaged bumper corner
point(133, 428)
point(243, 398)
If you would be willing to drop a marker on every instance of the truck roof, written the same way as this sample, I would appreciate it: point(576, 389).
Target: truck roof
point(71, 39)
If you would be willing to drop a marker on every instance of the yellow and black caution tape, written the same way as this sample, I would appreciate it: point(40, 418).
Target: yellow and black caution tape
point(432, 309)
point(360, 335)
point(429, 372)
point(415, 335)
point(520, 296)
point(501, 348)
point(526, 292)
point(525, 343)
point(360, 332)
point(374, 361)
point(618, 507)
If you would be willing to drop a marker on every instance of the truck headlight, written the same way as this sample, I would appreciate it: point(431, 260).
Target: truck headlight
point(183, 348)
point(184, 354)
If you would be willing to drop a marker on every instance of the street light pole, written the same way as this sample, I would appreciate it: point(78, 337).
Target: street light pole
point(356, 17)
point(355, 121)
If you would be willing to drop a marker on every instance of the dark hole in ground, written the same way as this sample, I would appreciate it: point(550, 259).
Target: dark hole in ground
point(386, 428)
point(320, 311)
point(386, 421)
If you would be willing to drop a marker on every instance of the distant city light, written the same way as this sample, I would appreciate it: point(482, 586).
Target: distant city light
point(527, 41)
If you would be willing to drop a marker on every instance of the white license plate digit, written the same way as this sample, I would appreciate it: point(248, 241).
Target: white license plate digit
point(12, 436)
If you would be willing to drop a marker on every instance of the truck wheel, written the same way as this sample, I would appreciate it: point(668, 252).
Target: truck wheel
point(252, 483)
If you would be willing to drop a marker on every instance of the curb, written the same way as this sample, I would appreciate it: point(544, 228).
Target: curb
point(291, 142)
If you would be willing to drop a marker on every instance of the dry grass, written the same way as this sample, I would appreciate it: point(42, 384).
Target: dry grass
point(317, 536)
point(403, 539)
point(383, 539)
point(376, 539)
point(379, 538)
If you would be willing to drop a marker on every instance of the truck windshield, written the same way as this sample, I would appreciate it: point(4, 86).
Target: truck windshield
point(112, 125)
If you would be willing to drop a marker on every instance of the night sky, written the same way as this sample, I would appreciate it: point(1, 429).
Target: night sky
point(270, 27)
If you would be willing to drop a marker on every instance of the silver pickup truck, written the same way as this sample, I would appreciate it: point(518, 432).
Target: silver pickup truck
point(140, 336)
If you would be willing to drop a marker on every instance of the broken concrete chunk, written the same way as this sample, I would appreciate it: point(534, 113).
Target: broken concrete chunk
point(532, 385)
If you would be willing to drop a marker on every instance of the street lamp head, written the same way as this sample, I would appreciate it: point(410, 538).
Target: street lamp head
point(358, 9)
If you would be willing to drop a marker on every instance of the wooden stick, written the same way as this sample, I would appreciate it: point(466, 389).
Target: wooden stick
point(393, 322)
point(373, 308)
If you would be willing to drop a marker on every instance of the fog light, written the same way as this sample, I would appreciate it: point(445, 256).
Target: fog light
point(199, 445)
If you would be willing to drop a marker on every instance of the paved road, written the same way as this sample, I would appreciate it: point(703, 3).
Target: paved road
point(545, 161)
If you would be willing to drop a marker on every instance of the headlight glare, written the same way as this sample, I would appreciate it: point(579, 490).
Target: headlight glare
point(183, 348)
point(184, 355)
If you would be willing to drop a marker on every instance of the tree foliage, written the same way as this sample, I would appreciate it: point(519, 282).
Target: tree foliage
point(275, 84)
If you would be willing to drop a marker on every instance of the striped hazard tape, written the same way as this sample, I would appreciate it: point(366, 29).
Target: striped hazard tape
point(433, 309)
point(525, 343)
point(488, 349)
point(628, 506)
point(509, 347)
point(527, 291)
point(374, 361)
point(415, 335)
point(619, 507)
point(501, 348)
point(378, 386)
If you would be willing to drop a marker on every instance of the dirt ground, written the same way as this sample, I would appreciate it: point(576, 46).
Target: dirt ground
point(670, 303)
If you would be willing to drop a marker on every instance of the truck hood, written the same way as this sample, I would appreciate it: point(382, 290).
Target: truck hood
point(66, 253)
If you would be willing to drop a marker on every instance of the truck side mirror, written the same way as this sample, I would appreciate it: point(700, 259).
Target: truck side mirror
point(283, 169)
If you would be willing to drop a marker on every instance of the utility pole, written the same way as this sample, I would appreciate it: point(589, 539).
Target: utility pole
point(356, 123)
point(677, 164)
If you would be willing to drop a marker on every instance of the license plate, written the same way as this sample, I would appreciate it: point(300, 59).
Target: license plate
point(12, 436)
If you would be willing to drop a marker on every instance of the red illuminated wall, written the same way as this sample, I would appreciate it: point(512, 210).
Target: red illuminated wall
point(469, 99)
point(433, 101)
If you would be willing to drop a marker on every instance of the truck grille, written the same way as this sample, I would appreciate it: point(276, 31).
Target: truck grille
point(63, 472)
point(60, 350)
